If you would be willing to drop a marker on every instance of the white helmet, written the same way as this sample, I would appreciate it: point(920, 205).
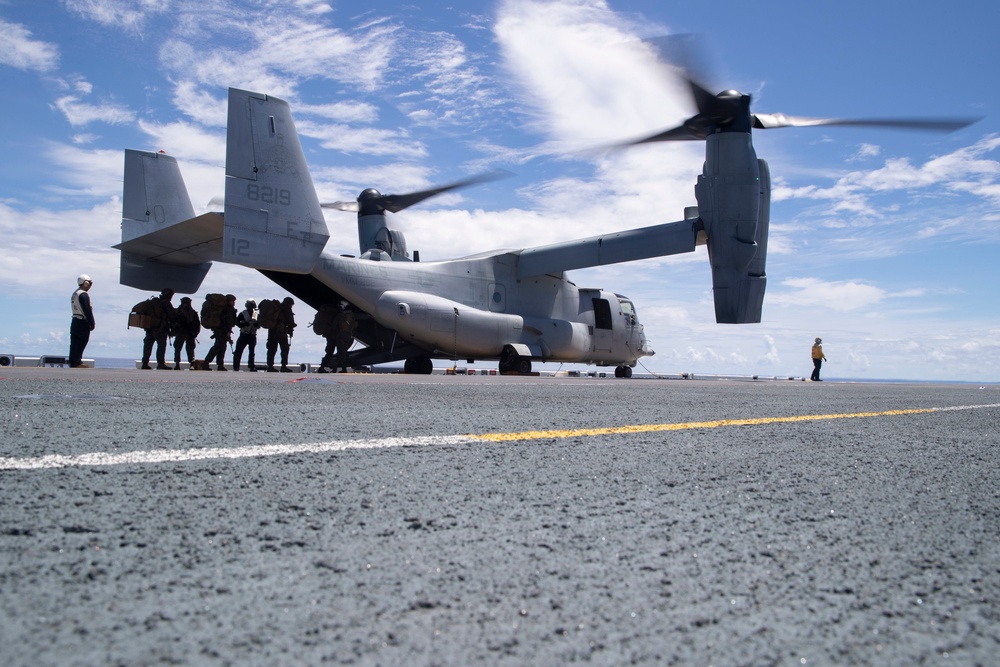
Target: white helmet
point(83, 278)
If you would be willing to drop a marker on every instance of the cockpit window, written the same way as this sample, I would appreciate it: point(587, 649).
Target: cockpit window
point(628, 310)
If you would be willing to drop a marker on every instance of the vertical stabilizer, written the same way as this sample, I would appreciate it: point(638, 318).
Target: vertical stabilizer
point(154, 196)
point(154, 200)
point(273, 220)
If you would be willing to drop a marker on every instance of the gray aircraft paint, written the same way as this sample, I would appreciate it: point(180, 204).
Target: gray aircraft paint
point(510, 302)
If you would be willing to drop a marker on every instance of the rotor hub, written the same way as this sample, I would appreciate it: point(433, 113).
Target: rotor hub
point(370, 202)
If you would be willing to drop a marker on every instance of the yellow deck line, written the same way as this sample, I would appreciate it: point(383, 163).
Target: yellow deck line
point(253, 451)
point(652, 428)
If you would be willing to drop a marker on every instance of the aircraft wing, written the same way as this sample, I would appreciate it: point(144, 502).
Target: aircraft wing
point(667, 239)
point(193, 241)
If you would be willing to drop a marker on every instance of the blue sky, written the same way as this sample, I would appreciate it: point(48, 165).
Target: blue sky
point(882, 242)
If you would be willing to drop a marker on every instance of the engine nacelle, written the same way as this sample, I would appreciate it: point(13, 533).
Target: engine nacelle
point(734, 201)
point(374, 235)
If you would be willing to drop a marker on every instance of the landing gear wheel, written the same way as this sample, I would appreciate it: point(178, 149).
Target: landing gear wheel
point(511, 362)
point(418, 366)
point(623, 371)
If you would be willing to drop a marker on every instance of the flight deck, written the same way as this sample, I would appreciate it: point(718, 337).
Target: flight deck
point(389, 519)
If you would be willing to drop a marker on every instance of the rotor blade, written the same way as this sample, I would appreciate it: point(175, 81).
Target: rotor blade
point(713, 110)
point(396, 203)
point(342, 206)
point(769, 121)
point(679, 133)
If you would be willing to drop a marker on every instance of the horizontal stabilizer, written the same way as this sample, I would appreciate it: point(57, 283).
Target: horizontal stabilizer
point(191, 242)
point(656, 241)
point(273, 220)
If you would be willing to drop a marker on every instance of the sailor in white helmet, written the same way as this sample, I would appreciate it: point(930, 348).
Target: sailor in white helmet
point(83, 321)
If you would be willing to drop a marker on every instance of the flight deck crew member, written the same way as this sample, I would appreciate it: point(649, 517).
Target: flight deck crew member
point(247, 322)
point(223, 334)
point(186, 329)
point(159, 330)
point(279, 334)
point(818, 358)
point(82, 323)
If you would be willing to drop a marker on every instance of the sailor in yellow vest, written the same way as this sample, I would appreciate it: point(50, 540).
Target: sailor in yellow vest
point(818, 358)
point(82, 323)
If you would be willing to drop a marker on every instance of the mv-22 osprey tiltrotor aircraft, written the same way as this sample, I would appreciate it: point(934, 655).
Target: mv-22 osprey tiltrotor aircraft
point(514, 306)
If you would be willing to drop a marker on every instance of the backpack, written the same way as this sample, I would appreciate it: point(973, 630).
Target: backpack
point(269, 313)
point(146, 314)
point(211, 310)
point(186, 320)
point(325, 318)
point(345, 323)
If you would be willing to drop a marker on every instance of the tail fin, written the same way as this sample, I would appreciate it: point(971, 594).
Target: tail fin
point(273, 219)
point(155, 203)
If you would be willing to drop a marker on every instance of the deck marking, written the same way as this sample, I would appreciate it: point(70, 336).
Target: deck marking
point(254, 451)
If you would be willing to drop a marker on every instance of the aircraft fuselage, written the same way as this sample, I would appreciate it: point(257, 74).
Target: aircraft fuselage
point(474, 307)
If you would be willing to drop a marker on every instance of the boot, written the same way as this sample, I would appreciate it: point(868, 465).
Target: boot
point(271, 368)
point(222, 368)
point(286, 369)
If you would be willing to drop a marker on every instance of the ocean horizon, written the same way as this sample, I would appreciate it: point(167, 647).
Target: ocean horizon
point(126, 363)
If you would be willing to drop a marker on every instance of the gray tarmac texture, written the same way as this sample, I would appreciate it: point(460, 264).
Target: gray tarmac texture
point(870, 540)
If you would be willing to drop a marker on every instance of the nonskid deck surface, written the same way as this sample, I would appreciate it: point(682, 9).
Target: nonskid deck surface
point(493, 520)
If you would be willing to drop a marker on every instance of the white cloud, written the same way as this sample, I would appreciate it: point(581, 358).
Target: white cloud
point(362, 140)
point(317, 7)
point(841, 296)
point(865, 152)
point(446, 88)
point(583, 74)
point(951, 171)
point(81, 113)
point(19, 50)
point(128, 14)
point(200, 105)
point(344, 112)
point(284, 47)
point(85, 172)
point(770, 357)
point(186, 142)
point(306, 49)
